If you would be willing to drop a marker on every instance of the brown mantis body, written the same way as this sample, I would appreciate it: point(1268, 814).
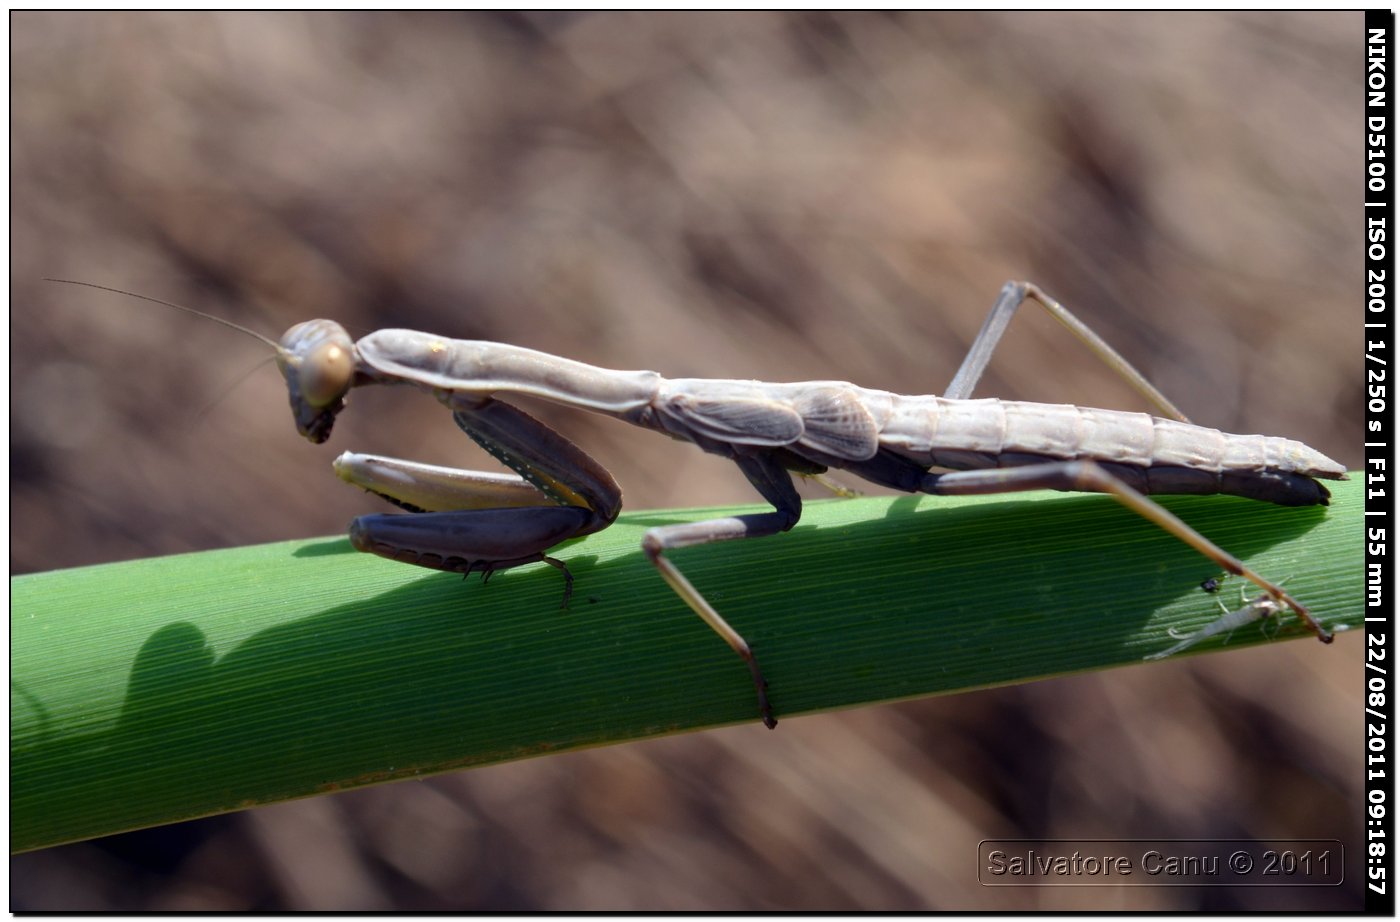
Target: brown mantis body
point(467, 521)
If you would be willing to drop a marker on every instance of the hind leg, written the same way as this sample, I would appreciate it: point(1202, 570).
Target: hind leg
point(1090, 477)
point(1013, 295)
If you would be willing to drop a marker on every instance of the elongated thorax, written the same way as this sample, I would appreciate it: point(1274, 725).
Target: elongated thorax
point(486, 368)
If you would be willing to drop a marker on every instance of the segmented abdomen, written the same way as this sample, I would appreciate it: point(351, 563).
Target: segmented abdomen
point(1155, 455)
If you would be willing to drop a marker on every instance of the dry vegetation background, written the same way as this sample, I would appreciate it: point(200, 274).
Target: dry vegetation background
point(744, 195)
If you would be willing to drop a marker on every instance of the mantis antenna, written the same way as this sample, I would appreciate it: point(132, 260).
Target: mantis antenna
point(179, 307)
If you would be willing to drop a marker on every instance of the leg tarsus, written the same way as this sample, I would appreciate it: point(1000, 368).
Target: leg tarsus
point(568, 578)
point(760, 685)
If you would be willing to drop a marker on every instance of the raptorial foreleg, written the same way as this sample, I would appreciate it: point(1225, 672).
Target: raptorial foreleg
point(471, 521)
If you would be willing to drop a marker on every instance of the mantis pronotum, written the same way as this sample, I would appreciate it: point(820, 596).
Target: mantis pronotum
point(467, 521)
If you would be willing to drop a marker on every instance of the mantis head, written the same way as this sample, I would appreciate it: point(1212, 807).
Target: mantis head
point(317, 359)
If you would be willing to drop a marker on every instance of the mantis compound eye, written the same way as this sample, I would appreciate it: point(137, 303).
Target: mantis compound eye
point(324, 375)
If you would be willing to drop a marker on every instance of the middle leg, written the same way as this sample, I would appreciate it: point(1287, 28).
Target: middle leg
point(774, 482)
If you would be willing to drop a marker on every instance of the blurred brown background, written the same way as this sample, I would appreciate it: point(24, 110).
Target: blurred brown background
point(781, 196)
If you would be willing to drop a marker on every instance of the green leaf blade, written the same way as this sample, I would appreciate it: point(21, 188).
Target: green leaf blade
point(159, 690)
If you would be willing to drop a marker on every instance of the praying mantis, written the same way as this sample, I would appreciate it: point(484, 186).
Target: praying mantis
point(470, 521)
